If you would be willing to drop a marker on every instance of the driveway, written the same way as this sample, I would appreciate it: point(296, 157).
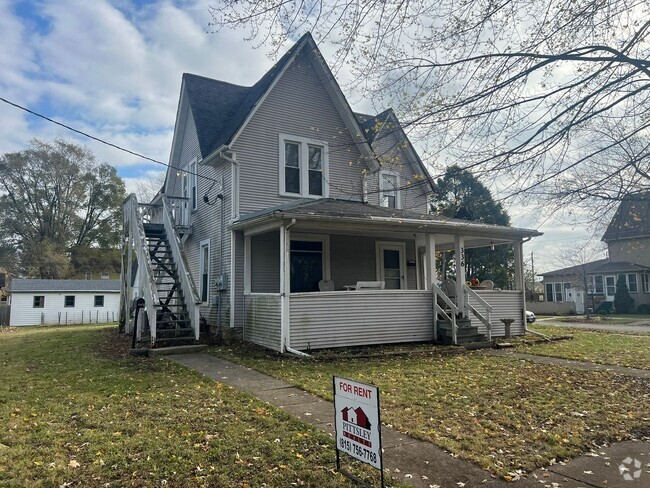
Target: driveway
point(641, 326)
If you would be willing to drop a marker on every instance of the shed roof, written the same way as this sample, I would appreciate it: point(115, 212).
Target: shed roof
point(41, 285)
point(348, 211)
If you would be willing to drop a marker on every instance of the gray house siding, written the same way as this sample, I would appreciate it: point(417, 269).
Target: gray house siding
point(262, 322)
point(265, 263)
point(394, 156)
point(297, 105)
point(321, 320)
point(506, 304)
point(636, 250)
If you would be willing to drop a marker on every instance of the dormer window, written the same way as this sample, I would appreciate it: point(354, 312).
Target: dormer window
point(303, 167)
point(389, 194)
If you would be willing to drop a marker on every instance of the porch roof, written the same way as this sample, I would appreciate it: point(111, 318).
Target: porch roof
point(363, 215)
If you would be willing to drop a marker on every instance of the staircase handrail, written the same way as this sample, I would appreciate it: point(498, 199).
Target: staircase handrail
point(485, 319)
point(192, 298)
point(438, 292)
point(146, 276)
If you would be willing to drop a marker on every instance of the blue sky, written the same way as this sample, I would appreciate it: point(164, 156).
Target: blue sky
point(113, 69)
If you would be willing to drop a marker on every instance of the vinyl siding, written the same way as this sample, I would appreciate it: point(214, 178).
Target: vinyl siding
point(298, 105)
point(505, 305)
point(263, 321)
point(393, 156)
point(636, 251)
point(206, 221)
point(24, 313)
point(340, 319)
point(265, 263)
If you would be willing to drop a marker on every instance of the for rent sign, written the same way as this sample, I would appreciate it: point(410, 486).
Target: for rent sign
point(358, 428)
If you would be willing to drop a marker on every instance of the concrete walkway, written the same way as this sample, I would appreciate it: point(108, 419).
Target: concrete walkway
point(635, 327)
point(421, 463)
point(570, 363)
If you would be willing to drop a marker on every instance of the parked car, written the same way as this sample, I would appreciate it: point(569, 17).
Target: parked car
point(530, 317)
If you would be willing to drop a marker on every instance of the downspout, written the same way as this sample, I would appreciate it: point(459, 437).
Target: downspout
point(285, 329)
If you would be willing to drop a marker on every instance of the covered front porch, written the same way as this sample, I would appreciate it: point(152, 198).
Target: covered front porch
point(313, 280)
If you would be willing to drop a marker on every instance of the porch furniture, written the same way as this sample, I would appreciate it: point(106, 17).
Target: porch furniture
point(350, 287)
point(326, 285)
point(371, 285)
point(488, 284)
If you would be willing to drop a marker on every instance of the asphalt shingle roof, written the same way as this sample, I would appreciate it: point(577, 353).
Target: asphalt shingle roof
point(219, 108)
point(39, 285)
point(632, 219)
point(597, 267)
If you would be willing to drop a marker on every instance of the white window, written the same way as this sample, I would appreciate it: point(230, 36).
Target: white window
point(645, 282)
point(595, 285)
point(304, 167)
point(632, 285)
point(204, 269)
point(105, 275)
point(389, 194)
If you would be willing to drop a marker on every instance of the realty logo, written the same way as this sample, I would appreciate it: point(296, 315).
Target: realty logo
point(356, 425)
point(625, 469)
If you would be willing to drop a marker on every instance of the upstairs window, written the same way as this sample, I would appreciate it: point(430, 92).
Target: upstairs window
point(389, 190)
point(303, 167)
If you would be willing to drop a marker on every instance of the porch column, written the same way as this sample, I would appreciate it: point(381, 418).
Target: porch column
point(459, 258)
point(430, 258)
point(247, 265)
point(519, 265)
point(285, 285)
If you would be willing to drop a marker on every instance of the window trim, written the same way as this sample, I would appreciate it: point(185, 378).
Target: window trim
point(636, 282)
point(42, 301)
point(398, 193)
point(193, 185)
point(95, 301)
point(303, 166)
point(559, 288)
point(65, 300)
point(645, 282)
point(203, 244)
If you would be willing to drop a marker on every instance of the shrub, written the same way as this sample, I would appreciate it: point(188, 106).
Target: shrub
point(644, 308)
point(623, 302)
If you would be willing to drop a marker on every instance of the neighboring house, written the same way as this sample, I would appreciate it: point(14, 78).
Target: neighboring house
point(628, 248)
point(278, 191)
point(37, 301)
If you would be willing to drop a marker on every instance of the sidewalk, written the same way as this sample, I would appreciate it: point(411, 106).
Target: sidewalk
point(421, 463)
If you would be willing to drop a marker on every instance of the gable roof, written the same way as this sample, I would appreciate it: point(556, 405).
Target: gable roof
point(597, 267)
point(374, 128)
point(632, 218)
point(39, 285)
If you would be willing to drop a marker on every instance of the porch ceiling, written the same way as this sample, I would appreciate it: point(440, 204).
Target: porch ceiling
point(334, 216)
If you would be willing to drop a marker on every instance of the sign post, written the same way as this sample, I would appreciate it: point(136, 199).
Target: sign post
point(357, 423)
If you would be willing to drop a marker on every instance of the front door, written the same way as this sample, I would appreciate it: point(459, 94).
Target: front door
point(391, 266)
point(610, 288)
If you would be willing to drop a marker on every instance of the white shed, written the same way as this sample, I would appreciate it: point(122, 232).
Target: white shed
point(39, 302)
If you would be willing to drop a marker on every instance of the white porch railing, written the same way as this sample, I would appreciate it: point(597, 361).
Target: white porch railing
point(487, 309)
point(437, 309)
point(133, 221)
point(190, 293)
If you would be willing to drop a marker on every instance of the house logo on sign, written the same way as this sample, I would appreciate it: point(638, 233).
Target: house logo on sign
point(356, 425)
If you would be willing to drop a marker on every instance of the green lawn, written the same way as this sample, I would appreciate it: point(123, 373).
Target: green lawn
point(618, 319)
point(76, 412)
point(501, 413)
point(596, 346)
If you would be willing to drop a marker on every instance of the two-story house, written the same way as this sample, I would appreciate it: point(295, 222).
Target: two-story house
point(628, 249)
point(292, 222)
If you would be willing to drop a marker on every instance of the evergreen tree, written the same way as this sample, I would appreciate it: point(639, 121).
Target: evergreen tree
point(623, 302)
point(458, 194)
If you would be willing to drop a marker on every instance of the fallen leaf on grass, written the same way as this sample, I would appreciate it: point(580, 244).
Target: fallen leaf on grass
point(74, 464)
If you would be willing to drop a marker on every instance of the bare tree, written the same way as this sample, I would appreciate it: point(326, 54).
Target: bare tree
point(149, 186)
point(551, 95)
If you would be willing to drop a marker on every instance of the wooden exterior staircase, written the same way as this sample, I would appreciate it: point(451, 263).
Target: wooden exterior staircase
point(171, 301)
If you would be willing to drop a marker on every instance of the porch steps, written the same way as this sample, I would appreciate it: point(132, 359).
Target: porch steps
point(173, 324)
point(465, 333)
